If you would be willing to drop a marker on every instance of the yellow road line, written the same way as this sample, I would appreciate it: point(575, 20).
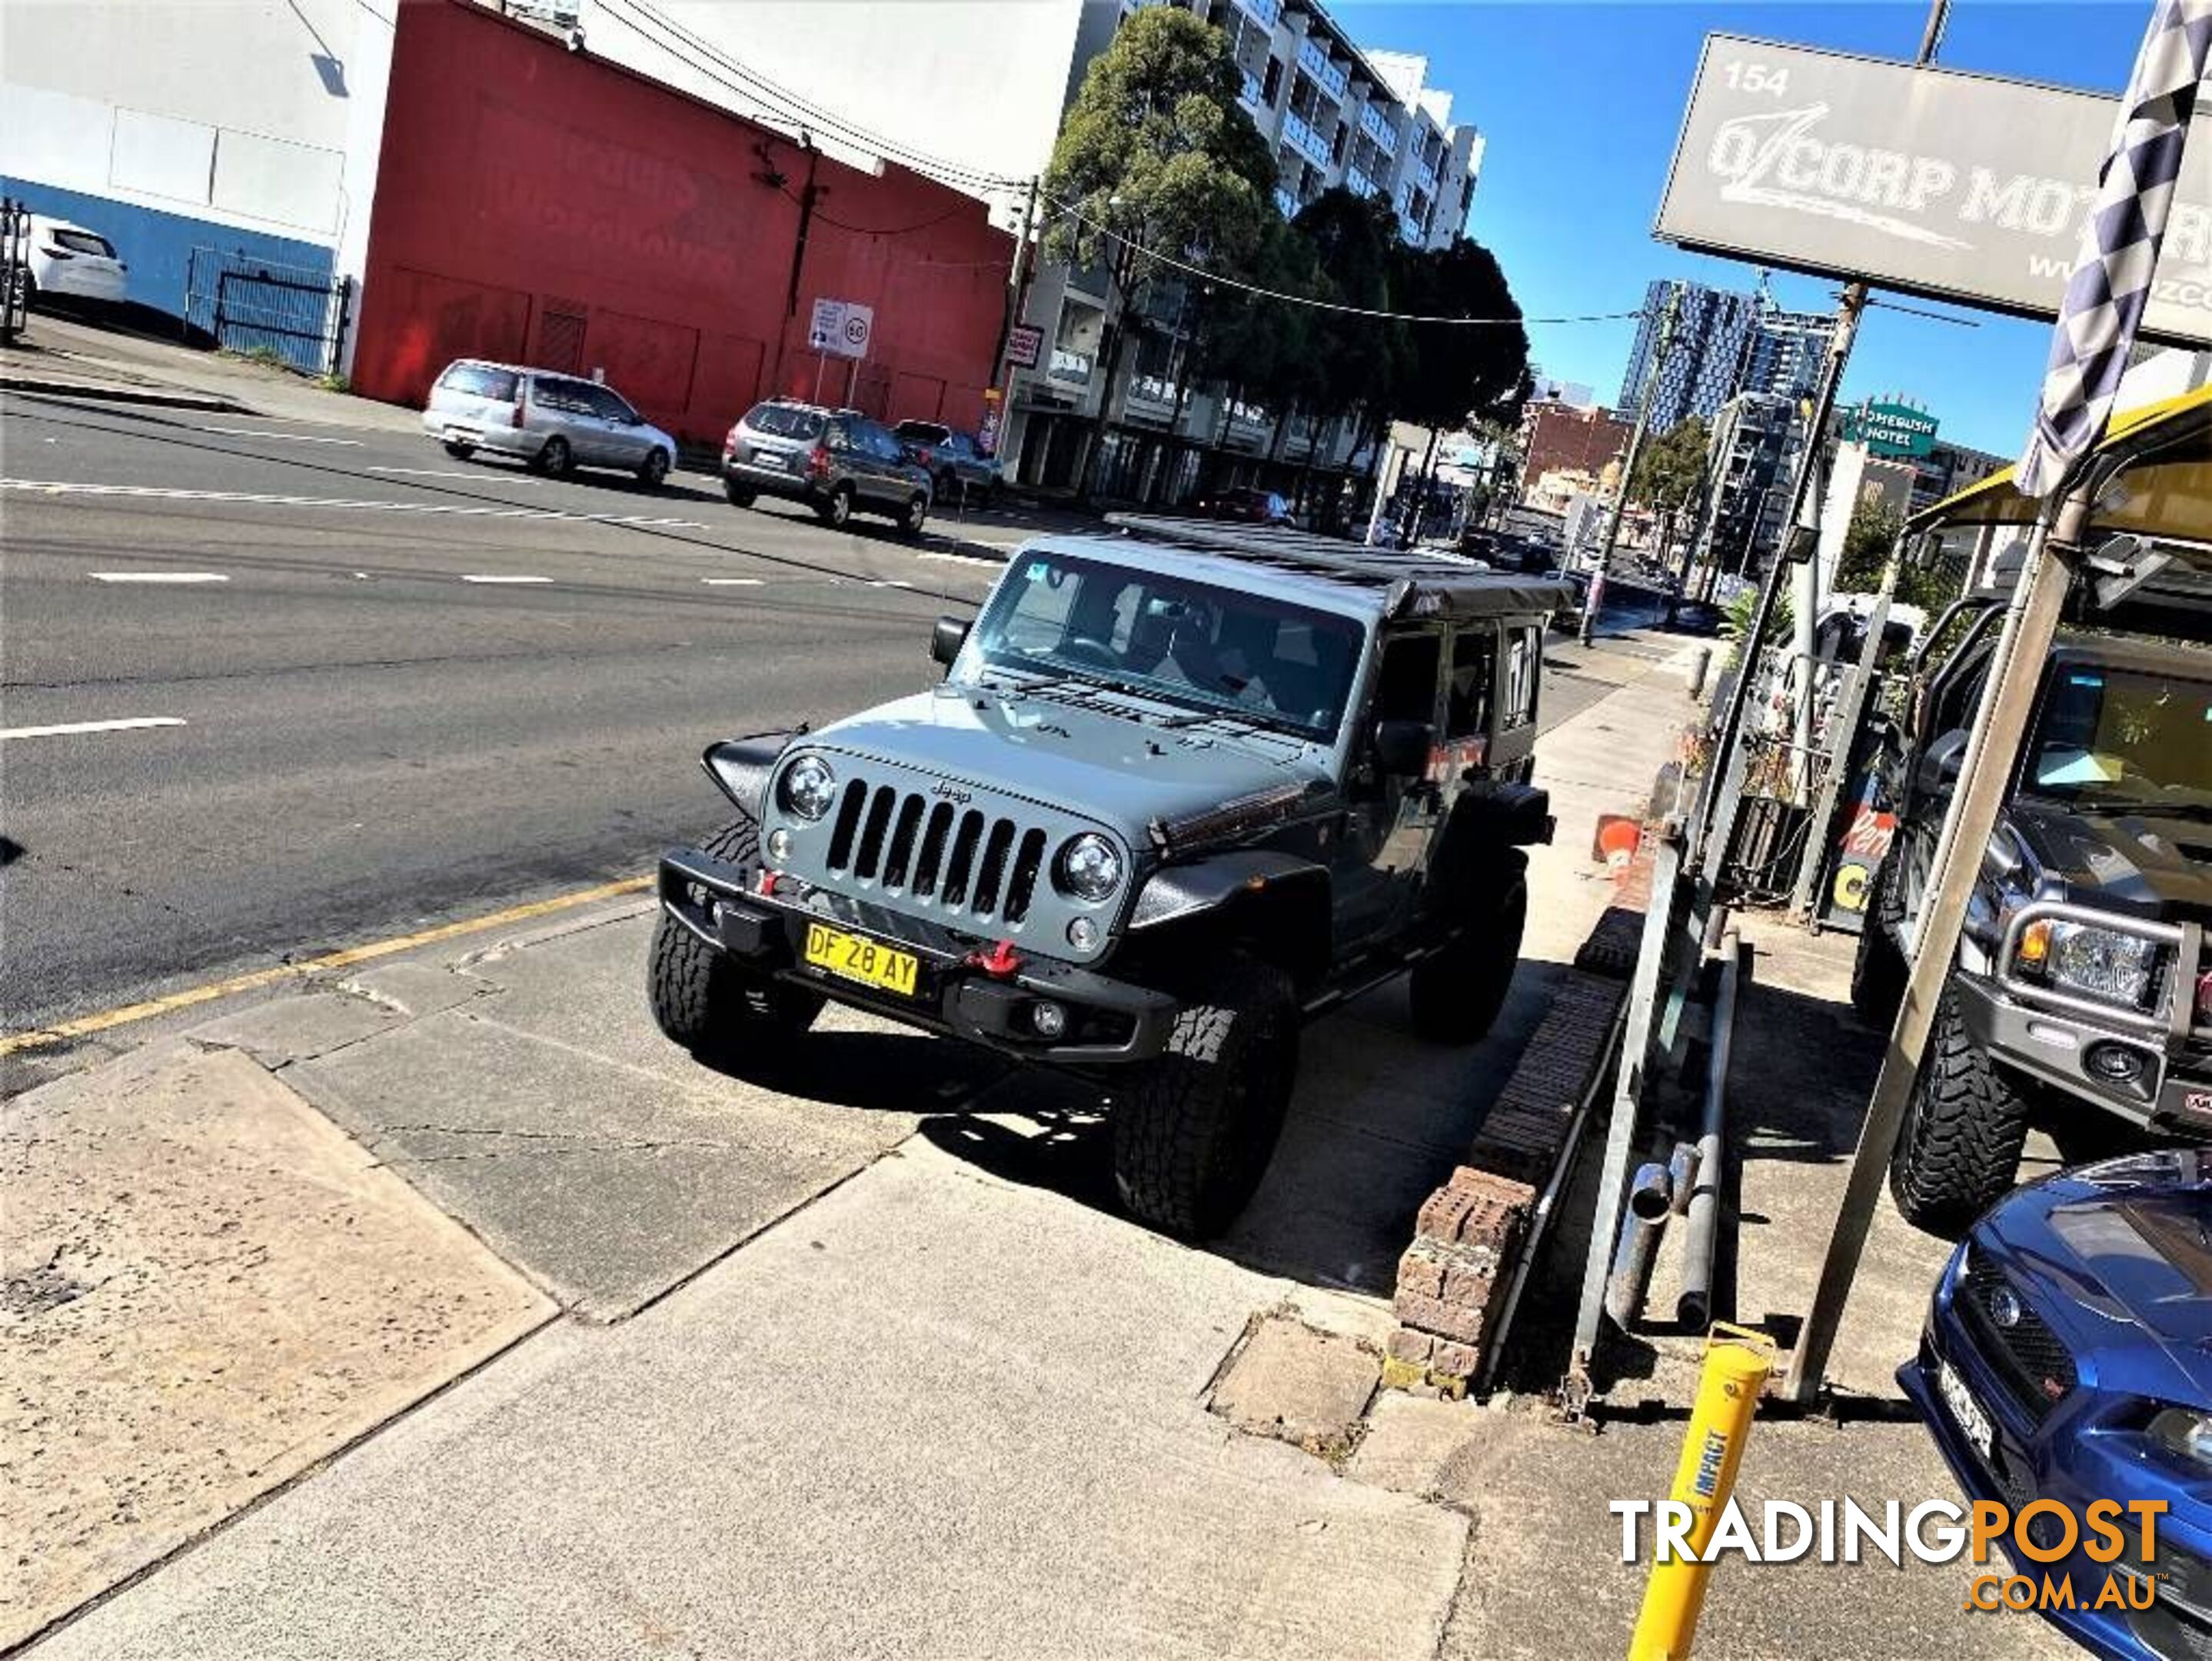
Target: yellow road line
point(62, 1032)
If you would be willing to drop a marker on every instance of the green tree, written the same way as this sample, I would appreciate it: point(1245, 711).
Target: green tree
point(1670, 474)
point(1254, 345)
point(1155, 153)
point(1874, 529)
point(1453, 376)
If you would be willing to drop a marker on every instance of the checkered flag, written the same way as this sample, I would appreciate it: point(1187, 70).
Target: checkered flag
point(2110, 284)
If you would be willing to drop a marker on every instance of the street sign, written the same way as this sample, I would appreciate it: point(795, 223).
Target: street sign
point(841, 328)
point(1025, 344)
point(1893, 431)
point(1970, 188)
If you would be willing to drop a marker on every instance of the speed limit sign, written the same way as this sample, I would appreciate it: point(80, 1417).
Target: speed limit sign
point(841, 328)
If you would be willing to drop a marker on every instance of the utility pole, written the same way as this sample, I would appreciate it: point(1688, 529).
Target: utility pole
point(1667, 319)
point(1017, 294)
point(808, 194)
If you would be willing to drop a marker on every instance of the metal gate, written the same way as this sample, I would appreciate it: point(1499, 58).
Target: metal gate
point(293, 314)
point(14, 267)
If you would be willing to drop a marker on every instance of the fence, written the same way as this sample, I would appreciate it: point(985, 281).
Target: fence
point(295, 313)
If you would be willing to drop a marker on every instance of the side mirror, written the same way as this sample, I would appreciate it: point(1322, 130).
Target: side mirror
point(1944, 761)
point(1402, 747)
point(946, 639)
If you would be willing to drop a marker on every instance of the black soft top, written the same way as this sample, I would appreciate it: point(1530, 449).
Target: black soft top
point(1408, 582)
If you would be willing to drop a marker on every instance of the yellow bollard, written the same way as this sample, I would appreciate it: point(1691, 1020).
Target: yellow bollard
point(1737, 1361)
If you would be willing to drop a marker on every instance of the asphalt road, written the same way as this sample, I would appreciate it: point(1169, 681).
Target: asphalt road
point(394, 688)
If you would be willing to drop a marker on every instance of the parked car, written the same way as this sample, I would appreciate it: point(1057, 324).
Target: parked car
point(1180, 790)
point(2082, 982)
point(2065, 1358)
point(552, 422)
point(956, 464)
point(838, 462)
point(66, 261)
point(1248, 507)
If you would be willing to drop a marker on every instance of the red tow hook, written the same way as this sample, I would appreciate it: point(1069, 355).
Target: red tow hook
point(1000, 962)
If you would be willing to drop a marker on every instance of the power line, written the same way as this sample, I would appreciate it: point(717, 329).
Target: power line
point(1258, 292)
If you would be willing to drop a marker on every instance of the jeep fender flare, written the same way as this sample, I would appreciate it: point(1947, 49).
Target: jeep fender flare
point(740, 767)
point(1286, 902)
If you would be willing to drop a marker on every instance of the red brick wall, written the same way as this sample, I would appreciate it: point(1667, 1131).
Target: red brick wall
point(1560, 435)
point(536, 204)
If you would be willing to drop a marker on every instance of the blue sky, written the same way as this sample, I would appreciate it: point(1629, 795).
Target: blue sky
point(1580, 103)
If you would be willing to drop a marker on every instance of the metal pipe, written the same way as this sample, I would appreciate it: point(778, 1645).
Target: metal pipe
point(1683, 1172)
point(1694, 1308)
point(1650, 1203)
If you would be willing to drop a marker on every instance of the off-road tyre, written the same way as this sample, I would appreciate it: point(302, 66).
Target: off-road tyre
point(1196, 1126)
point(706, 1001)
point(1879, 967)
point(1958, 1152)
point(1456, 993)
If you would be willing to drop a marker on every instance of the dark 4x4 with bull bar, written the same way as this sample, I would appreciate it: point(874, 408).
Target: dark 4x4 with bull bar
point(1180, 789)
point(2081, 978)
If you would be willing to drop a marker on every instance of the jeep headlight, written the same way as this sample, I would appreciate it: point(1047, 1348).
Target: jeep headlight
point(809, 788)
point(2101, 963)
point(1088, 868)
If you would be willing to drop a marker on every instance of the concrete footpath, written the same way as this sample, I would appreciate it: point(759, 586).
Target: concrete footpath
point(851, 1358)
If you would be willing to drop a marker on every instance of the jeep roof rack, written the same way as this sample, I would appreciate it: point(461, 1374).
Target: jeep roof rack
point(1409, 579)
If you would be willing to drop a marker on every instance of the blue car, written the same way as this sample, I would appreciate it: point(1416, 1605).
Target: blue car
point(2068, 1355)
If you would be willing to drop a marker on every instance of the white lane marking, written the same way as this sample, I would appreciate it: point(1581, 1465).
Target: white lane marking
point(130, 724)
point(731, 582)
point(889, 582)
point(501, 579)
point(964, 559)
point(157, 576)
point(479, 477)
point(288, 438)
point(259, 498)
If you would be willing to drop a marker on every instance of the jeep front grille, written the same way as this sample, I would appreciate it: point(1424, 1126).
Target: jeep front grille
point(967, 864)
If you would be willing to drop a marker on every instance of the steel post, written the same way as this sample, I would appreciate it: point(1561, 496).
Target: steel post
point(2007, 699)
point(1694, 1307)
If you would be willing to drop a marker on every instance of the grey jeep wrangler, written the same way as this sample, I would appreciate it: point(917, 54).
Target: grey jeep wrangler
point(1180, 789)
point(2082, 983)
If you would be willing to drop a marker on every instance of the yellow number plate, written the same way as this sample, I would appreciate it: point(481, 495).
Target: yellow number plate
point(859, 959)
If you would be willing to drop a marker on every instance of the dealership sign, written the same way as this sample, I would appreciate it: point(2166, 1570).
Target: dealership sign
point(1893, 430)
point(1961, 187)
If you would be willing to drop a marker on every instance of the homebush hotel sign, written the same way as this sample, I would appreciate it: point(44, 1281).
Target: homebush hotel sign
point(1961, 187)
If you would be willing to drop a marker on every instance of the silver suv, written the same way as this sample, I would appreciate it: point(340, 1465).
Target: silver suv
point(838, 462)
point(553, 421)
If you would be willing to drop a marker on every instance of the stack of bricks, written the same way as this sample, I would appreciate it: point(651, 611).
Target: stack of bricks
point(1452, 1281)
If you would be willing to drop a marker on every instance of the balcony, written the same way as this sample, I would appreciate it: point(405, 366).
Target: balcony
point(1152, 392)
point(1073, 367)
point(1313, 57)
point(1250, 92)
point(1422, 175)
point(1300, 137)
point(1357, 182)
point(1410, 228)
point(1266, 11)
point(1377, 126)
point(1286, 204)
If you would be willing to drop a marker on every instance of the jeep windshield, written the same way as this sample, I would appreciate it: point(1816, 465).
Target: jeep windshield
point(2125, 741)
point(1213, 651)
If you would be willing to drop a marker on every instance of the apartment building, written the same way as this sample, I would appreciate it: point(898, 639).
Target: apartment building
point(1337, 114)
